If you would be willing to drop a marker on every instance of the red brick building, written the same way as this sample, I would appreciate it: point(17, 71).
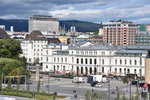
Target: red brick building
point(120, 33)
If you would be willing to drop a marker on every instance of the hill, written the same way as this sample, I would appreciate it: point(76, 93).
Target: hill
point(21, 25)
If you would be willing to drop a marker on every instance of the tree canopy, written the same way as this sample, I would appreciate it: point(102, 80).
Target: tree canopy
point(10, 48)
point(7, 65)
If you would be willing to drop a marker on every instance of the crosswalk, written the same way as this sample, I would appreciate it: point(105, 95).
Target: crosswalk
point(56, 83)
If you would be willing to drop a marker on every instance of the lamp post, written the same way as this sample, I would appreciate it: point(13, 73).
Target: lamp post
point(48, 83)
point(108, 90)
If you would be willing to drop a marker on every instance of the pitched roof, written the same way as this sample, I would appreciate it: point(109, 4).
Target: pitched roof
point(35, 35)
point(3, 34)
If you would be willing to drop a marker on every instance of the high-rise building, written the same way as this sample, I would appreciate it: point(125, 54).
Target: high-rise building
point(45, 24)
point(120, 33)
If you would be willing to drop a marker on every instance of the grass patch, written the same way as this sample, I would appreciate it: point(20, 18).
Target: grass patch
point(29, 94)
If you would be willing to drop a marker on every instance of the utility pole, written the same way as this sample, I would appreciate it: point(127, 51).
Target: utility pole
point(130, 92)
point(108, 90)
point(48, 83)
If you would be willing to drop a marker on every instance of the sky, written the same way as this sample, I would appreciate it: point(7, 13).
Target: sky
point(137, 11)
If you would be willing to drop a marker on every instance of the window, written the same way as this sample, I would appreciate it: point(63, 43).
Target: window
point(140, 61)
point(115, 70)
point(47, 59)
point(120, 70)
point(134, 71)
point(95, 61)
point(61, 59)
point(86, 61)
point(81, 61)
point(115, 61)
point(65, 59)
point(124, 70)
point(102, 69)
point(103, 61)
point(90, 61)
point(120, 61)
point(77, 60)
point(54, 59)
point(125, 61)
point(47, 52)
point(46, 66)
point(130, 62)
point(135, 62)
point(103, 53)
point(58, 59)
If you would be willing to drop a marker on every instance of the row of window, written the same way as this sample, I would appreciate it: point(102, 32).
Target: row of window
point(90, 53)
point(94, 61)
point(58, 59)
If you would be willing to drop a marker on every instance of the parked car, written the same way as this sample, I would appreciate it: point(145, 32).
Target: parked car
point(99, 85)
point(94, 83)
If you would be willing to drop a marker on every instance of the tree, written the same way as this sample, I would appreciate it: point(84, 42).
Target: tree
point(10, 48)
point(125, 79)
point(9, 83)
point(91, 95)
point(7, 65)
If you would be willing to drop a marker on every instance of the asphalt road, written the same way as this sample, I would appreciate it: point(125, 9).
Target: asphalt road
point(66, 87)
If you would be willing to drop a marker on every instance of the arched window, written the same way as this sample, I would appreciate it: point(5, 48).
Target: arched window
point(134, 71)
point(135, 62)
point(57, 67)
point(130, 62)
point(120, 70)
point(90, 61)
point(81, 61)
point(103, 62)
point(120, 61)
point(63, 67)
point(81, 70)
point(86, 61)
point(47, 59)
point(124, 70)
point(95, 61)
point(125, 61)
point(115, 61)
point(115, 70)
point(140, 72)
point(128, 71)
point(102, 69)
point(77, 60)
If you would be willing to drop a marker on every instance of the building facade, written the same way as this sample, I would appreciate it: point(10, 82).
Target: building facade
point(120, 33)
point(142, 38)
point(45, 24)
point(96, 59)
point(32, 46)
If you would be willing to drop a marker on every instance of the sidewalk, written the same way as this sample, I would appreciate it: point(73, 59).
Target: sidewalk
point(7, 97)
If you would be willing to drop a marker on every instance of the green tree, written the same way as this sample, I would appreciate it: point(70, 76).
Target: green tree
point(91, 95)
point(7, 65)
point(9, 83)
point(125, 80)
point(11, 48)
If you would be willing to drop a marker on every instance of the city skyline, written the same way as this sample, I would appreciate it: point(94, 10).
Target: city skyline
point(84, 10)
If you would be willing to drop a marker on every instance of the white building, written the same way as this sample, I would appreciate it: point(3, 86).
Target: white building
point(95, 59)
point(32, 46)
point(45, 24)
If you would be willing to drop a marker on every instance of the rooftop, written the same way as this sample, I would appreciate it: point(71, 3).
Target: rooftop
point(3, 34)
point(35, 35)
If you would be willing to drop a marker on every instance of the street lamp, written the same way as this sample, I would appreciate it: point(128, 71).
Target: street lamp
point(48, 82)
point(108, 90)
